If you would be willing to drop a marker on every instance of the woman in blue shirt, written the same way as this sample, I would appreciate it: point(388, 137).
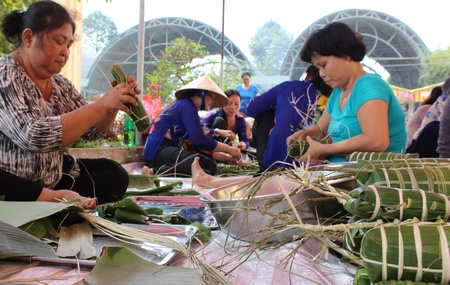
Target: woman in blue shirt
point(247, 90)
point(178, 136)
point(362, 113)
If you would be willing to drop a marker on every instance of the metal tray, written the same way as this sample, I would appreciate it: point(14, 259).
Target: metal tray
point(230, 200)
point(149, 251)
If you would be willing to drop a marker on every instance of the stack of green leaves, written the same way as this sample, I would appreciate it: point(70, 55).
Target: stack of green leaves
point(428, 178)
point(157, 215)
point(235, 170)
point(126, 211)
point(388, 203)
point(164, 189)
point(417, 251)
point(143, 181)
point(138, 114)
point(355, 156)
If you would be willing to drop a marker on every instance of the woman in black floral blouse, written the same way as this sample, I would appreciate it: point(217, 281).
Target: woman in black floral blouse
point(41, 112)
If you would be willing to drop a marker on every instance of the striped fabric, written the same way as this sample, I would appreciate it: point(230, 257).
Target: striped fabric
point(30, 127)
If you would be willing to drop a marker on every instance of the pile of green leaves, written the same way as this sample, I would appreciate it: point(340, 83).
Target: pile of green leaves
point(100, 143)
point(127, 211)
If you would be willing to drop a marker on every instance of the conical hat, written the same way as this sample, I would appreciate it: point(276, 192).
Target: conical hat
point(207, 84)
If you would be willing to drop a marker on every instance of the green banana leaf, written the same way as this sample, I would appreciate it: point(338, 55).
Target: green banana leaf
point(17, 243)
point(366, 167)
point(118, 265)
point(143, 181)
point(388, 203)
point(355, 156)
point(428, 178)
point(417, 251)
point(361, 277)
point(20, 213)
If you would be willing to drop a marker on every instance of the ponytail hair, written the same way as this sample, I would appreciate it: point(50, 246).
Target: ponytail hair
point(41, 17)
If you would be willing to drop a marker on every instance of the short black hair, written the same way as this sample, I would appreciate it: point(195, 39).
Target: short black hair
point(230, 92)
point(335, 39)
point(246, 73)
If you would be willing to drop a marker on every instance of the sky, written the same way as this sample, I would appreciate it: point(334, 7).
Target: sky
point(244, 17)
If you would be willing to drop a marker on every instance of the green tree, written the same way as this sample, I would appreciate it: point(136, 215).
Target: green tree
point(436, 67)
point(6, 6)
point(98, 31)
point(269, 47)
point(181, 62)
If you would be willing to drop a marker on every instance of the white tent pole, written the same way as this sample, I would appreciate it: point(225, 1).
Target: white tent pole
point(140, 60)
point(222, 51)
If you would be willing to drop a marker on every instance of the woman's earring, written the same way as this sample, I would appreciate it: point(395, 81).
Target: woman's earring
point(347, 62)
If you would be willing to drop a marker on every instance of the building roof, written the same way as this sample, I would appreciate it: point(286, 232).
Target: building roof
point(391, 43)
point(159, 33)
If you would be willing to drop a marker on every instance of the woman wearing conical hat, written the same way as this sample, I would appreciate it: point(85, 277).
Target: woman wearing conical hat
point(178, 136)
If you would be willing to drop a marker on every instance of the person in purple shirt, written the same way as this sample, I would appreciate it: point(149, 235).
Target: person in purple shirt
point(225, 123)
point(282, 110)
point(443, 142)
point(178, 136)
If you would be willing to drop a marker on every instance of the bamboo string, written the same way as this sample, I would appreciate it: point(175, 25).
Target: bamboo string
point(429, 173)
point(384, 250)
point(414, 183)
point(418, 242)
point(377, 202)
point(445, 253)
point(441, 179)
point(447, 206)
point(386, 177)
point(294, 209)
point(424, 205)
point(401, 253)
point(401, 203)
